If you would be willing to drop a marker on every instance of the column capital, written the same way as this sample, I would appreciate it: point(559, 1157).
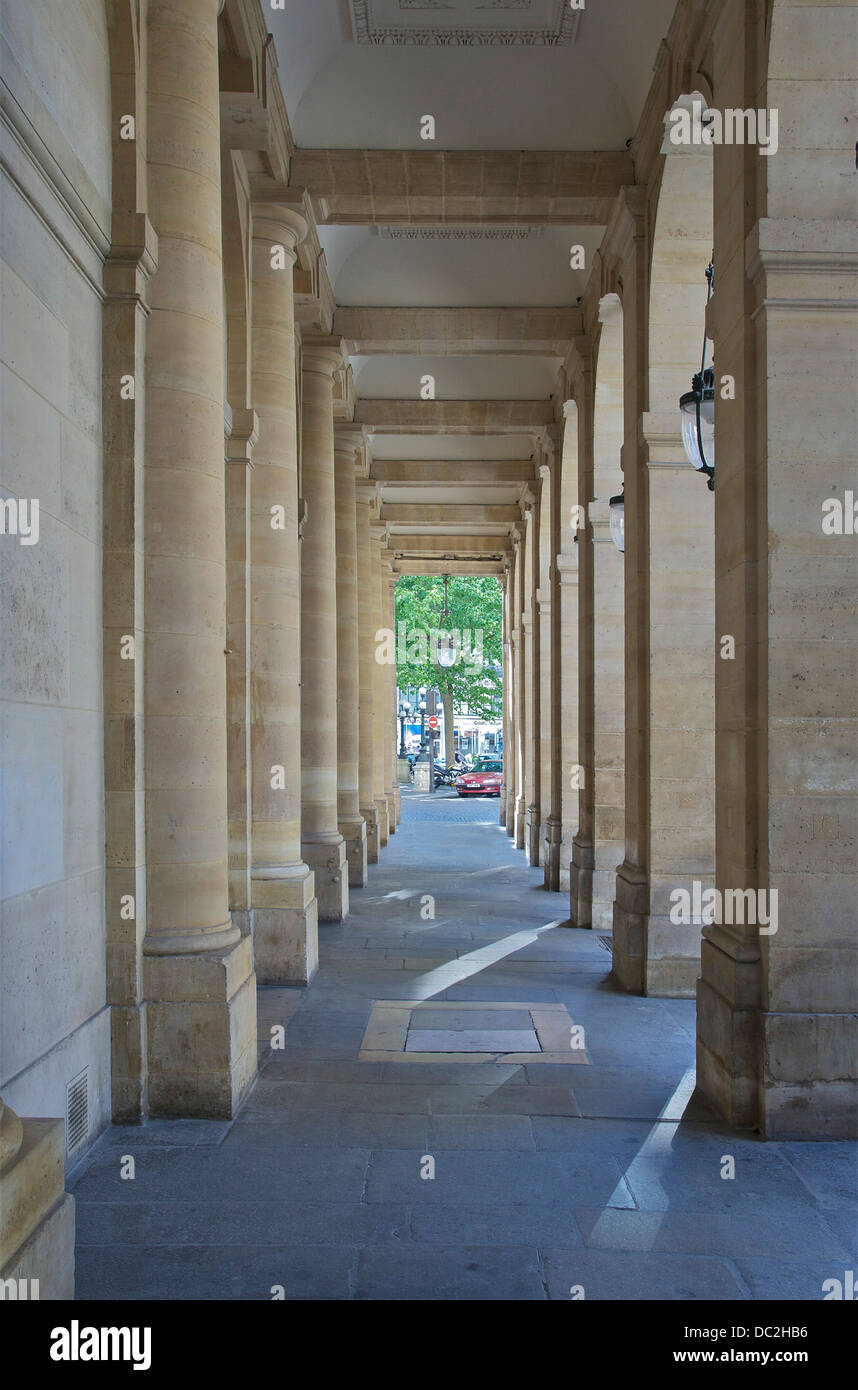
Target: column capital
point(242, 437)
point(280, 220)
point(567, 569)
point(366, 490)
point(322, 353)
point(598, 515)
point(348, 438)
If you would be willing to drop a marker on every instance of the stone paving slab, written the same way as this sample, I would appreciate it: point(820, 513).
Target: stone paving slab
point(457, 1274)
point(704, 1232)
point(605, 1275)
point(526, 1224)
point(428, 1017)
point(483, 1178)
point(249, 1222)
point(240, 1272)
point(492, 1132)
point(464, 1040)
point(788, 1279)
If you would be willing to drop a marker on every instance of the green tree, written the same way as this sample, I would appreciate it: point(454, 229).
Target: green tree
point(475, 613)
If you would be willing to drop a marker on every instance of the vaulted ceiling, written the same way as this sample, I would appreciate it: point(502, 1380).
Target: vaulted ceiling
point(449, 257)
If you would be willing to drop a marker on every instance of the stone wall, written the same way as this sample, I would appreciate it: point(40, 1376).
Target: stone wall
point(55, 230)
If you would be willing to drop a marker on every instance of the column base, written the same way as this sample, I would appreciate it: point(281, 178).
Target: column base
point(502, 806)
point(789, 1075)
point(201, 1026)
point(808, 1086)
point(391, 809)
point(284, 922)
point(128, 1063)
point(383, 820)
point(355, 835)
point(510, 814)
point(37, 1216)
point(519, 825)
point(581, 883)
point(551, 847)
point(370, 820)
point(327, 858)
point(607, 858)
point(566, 851)
point(403, 771)
point(533, 835)
point(728, 1027)
point(631, 905)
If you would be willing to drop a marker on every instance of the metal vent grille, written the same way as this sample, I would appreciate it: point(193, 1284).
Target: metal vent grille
point(77, 1111)
point(606, 943)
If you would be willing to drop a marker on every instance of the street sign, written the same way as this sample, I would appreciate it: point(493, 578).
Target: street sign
point(432, 721)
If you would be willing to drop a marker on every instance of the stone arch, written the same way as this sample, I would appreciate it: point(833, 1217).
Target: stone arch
point(680, 251)
point(607, 792)
point(566, 594)
point(652, 953)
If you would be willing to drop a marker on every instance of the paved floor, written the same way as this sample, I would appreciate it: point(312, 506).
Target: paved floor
point(601, 1175)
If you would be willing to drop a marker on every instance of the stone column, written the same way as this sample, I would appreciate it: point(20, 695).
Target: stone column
point(283, 903)
point(543, 741)
point(564, 630)
point(36, 1214)
point(127, 269)
point(530, 626)
point(378, 534)
point(198, 976)
point(609, 713)
point(351, 823)
point(388, 583)
point(552, 645)
point(581, 865)
point(517, 805)
point(322, 843)
point(567, 698)
point(241, 432)
point(365, 493)
point(393, 737)
point(777, 1000)
point(652, 954)
point(507, 681)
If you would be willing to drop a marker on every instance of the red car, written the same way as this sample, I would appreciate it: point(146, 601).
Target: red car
point(484, 779)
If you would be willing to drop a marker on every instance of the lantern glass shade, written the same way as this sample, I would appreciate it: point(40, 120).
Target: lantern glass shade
point(617, 520)
point(697, 407)
point(446, 649)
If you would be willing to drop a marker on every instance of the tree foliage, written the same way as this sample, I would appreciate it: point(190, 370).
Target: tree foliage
point(475, 609)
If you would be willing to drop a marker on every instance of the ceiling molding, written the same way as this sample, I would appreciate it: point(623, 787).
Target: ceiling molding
point(442, 332)
point(500, 188)
point(460, 24)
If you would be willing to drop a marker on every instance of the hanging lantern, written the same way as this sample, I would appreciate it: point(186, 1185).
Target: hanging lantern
point(697, 409)
point(698, 423)
point(447, 645)
point(617, 519)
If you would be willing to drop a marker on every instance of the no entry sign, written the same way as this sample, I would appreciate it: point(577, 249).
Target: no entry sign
point(433, 721)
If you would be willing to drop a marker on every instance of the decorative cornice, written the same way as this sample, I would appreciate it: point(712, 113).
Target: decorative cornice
point(560, 33)
point(450, 233)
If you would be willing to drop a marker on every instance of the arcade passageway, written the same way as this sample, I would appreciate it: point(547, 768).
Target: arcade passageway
point(306, 301)
point(604, 1174)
